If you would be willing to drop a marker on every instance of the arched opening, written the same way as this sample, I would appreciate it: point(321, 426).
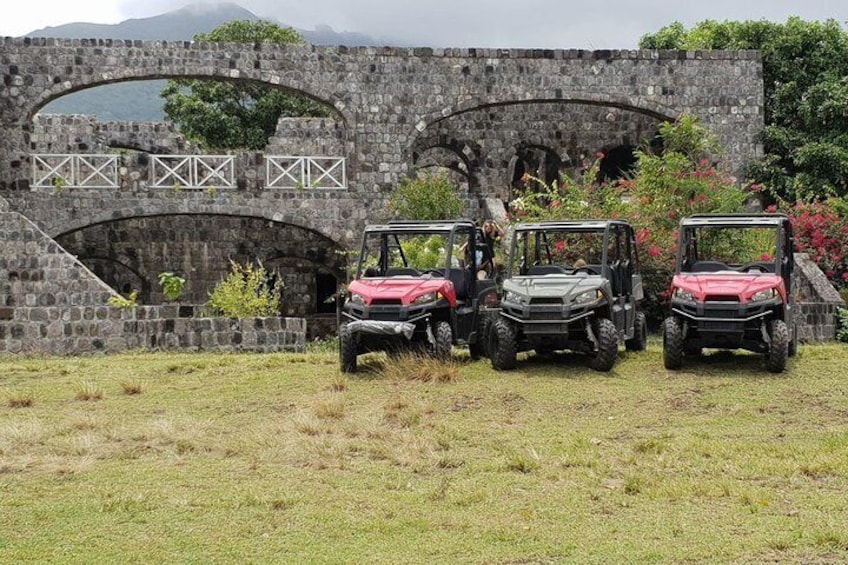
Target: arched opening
point(617, 163)
point(542, 138)
point(326, 287)
point(130, 254)
point(130, 113)
point(542, 163)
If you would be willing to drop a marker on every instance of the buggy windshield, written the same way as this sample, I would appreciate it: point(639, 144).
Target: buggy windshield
point(560, 250)
point(729, 249)
point(412, 254)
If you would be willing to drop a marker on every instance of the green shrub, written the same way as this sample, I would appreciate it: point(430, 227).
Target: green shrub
point(426, 198)
point(247, 292)
point(842, 325)
point(172, 285)
point(118, 301)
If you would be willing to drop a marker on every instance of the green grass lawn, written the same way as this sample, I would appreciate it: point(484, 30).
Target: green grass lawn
point(279, 458)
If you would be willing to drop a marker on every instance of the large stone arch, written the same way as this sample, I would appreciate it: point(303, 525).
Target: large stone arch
point(543, 137)
point(652, 108)
point(200, 247)
point(96, 209)
point(120, 74)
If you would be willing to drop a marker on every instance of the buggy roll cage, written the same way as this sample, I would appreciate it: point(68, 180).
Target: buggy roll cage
point(573, 226)
point(414, 227)
point(784, 259)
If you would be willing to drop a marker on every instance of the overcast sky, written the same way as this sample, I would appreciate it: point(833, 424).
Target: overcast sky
point(588, 24)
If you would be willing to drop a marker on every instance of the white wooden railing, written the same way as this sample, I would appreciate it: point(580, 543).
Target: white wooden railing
point(288, 171)
point(187, 171)
point(74, 170)
point(192, 171)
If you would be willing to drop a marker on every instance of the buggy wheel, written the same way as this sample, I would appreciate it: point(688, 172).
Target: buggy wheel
point(672, 343)
point(793, 343)
point(444, 341)
point(607, 335)
point(502, 345)
point(347, 350)
point(639, 342)
point(478, 349)
point(779, 349)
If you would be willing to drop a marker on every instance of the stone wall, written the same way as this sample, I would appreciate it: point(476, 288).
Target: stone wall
point(130, 254)
point(387, 98)
point(817, 302)
point(495, 146)
point(75, 330)
point(51, 303)
point(308, 137)
point(85, 134)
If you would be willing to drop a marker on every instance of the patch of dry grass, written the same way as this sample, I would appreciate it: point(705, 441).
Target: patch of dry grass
point(423, 368)
point(21, 399)
point(548, 463)
point(131, 387)
point(88, 390)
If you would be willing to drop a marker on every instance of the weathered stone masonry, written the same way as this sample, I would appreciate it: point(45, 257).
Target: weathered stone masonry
point(487, 114)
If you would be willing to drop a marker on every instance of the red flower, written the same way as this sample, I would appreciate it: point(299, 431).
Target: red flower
point(599, 154)
point(771, 209)
point(654, 251)
point(555, 204)
point(765, 257)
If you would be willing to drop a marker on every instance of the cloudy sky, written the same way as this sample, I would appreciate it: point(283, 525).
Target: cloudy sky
point(589, 24)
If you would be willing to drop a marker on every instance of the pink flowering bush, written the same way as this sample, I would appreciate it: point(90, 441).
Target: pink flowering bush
point(821, 229)
point(664, 187)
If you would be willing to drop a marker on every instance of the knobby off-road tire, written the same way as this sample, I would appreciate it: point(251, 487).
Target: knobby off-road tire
point(444, 341)
point(347, 350)
point(793, 342)
point(479, 348)
point(672, 343)
point(502, 345)
point(779, 348)
point(639, 342)
point(604, 358)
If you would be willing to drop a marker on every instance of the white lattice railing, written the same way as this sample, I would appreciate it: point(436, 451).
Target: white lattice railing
point(286, 171)
point(192, 171)
point(77, 171)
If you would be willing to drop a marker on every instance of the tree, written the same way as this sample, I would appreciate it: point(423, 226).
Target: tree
point(805, 77)
point(235, 115)
point(430, 197)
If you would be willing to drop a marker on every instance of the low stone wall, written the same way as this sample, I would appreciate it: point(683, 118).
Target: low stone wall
point(817, 302)
point(50, 303)
point(78, 330)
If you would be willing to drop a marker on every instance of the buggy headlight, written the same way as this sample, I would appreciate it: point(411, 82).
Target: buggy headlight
point(588, 296)
point(767, 294)
point(684, 294)
point(510, 296)
point(357, 298)
point(425, 298)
